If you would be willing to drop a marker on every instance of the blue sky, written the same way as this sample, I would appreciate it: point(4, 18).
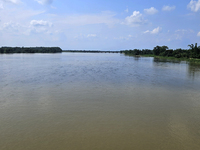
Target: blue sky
point(100, 24)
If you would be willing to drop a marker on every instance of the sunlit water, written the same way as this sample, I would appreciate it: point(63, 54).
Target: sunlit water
point(78, 101)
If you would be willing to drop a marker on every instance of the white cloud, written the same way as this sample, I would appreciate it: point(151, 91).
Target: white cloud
point(194, 5)
point(168, 8)
point(11, 26)
point(126, 10)
point(181, 30)
point(1, 6)
point(15, 21)
point(135, 19)
point(17, 14)
point(146, 31)
point(128, 37)
point(198, 34)
point(12, 1)
point(40, 23)
point(86, 19)
point(91, 35)
point(84, 36)
point(38, 26)
point(151, 11)
point(154, 31)
point(43, 2)
point(120, 38)
point(180, 33)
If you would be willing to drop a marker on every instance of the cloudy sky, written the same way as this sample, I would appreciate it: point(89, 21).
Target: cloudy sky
point(100, 24)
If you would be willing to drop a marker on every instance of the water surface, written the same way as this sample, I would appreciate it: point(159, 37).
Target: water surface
point(81, 101)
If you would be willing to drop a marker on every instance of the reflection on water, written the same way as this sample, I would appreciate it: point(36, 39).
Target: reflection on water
point(194, 70)
point(98, 101)
point(165, 60)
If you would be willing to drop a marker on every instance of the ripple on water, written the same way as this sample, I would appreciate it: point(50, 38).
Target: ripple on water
point(100, 101)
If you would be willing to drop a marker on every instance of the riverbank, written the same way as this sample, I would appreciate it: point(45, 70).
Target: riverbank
point(190, 55)
point(11, 50)
point(190, 60)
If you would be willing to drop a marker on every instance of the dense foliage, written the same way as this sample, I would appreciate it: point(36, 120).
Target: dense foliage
point(89, 51)
point(138, 52)
point(30, 50)
point(192, 52)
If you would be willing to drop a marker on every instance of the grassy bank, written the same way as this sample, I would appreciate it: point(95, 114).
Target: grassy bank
point(190, 55)
point(189, 60)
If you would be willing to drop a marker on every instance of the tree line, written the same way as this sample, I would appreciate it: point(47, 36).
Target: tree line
point(8, 50)
point(192, 52)
point(90, 51)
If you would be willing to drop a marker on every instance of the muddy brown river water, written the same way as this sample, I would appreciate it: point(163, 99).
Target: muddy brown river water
point(83, 101)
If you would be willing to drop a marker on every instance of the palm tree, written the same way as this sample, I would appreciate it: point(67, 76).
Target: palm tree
point(191, 46)
point(195, 50)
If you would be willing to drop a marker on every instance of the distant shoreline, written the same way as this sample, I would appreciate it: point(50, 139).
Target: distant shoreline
point(192, 54)
point(89, 51)
point(11, 50)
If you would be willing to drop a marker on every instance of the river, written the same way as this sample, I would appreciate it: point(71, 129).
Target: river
point(83, 101)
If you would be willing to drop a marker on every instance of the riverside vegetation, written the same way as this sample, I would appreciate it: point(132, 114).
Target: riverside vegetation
point(8, 50)
point(192, 54)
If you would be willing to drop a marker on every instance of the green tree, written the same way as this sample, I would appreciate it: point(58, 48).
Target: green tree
point(194, 51)
point(159, 49)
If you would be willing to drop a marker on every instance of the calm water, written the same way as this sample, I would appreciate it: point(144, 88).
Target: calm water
point(74, 101)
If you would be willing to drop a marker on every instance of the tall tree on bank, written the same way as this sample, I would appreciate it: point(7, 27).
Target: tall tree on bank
point(159, 49)
point(194, 51)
